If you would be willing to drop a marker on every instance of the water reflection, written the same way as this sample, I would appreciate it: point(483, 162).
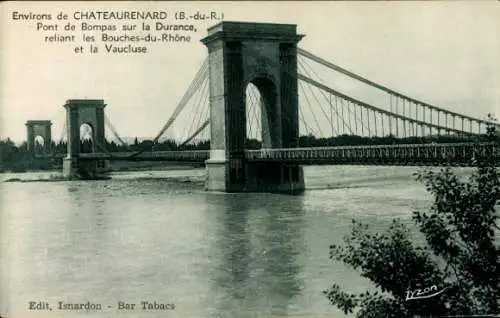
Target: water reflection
point(258, 243)
point(283, 238)
point(236, 246)
point(80, 252)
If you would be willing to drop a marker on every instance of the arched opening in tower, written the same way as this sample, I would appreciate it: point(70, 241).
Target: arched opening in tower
point(39, 145)
point(86, 138)
point(263, 128)
point(253, 107)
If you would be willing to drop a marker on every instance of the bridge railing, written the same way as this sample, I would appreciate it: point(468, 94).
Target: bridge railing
point(425, 153)
point(185, 155)
point(371, 154)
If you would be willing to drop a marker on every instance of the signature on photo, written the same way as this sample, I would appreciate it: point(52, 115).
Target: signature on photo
point(427, 292)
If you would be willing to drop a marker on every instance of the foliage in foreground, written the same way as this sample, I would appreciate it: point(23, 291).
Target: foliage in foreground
point(460, 255)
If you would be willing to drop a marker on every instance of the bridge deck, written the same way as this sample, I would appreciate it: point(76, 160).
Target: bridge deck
point(427, 154)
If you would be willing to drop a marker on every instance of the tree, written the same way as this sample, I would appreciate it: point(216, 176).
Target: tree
point(460, 256)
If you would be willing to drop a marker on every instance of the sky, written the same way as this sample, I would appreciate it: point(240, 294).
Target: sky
point(445, 53)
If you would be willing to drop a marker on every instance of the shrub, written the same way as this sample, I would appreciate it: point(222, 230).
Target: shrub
point(460, 255)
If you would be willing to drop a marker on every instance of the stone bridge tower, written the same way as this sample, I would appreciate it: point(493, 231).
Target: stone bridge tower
point(79, 112)
point(265, 55)
point(42, 128)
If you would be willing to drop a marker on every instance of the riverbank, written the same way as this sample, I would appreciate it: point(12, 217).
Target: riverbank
point(175, 173)
point(118, 166)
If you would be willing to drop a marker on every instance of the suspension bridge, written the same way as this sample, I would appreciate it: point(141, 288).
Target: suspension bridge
point(257, 84)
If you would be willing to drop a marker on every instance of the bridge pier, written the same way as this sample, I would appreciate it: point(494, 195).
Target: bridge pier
point(275, 177)
point(78, 169)
point(265, 55)
point(70, 168)
point(240, 176)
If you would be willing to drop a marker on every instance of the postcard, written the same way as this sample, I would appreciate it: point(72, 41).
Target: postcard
point(249, 159)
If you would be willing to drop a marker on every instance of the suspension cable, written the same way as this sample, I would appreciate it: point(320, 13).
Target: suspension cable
point(324, 96)
point(202, 72)
point(205, 124)
point(113, 130)
point(366, 105)
point(196, 112)
point(314, 116)
point(381, 87)
point(316, 98)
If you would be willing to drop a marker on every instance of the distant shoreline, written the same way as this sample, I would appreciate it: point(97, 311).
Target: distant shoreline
point(122, 166)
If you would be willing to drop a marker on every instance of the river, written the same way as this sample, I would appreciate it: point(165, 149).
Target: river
point(158, 236)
